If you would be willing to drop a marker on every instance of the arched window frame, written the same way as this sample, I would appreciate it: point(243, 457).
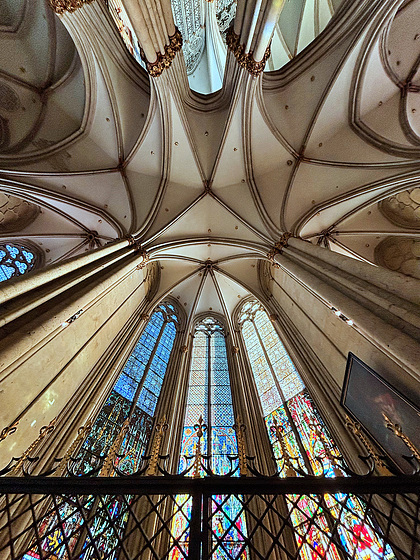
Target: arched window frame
point(38, 253)
point(179, 324)
point(223, 329)
point(322, 463)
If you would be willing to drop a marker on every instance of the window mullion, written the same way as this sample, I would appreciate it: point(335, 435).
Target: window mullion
point(209, 410)
point(286, 408)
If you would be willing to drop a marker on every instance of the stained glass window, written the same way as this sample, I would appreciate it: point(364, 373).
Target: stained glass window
point(305, 444)
point(209, 397)
point(125, 29)
point(134, 396)
point(15, 260)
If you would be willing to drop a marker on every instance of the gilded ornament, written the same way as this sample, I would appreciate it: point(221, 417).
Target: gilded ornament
point(277, 430)
point(160, 430)
point(163, 61)
point(108, 465)
point(245, 60)
point(43, 432)
point(8, 430)
point(281, 244)
point(200, 427)
point(356, 429)
point(398, 431)
point(240, 429)
point(61, 6)
point(82, 432)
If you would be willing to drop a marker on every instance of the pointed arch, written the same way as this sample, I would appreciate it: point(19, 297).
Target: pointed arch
point(136, 392)
point(301, 443)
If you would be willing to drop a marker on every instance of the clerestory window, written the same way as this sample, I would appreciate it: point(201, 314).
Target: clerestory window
point(324, 526)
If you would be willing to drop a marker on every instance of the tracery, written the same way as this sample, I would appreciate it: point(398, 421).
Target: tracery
point(132, 401)
point(15, 259)
point(210, 397)
point(302, 443)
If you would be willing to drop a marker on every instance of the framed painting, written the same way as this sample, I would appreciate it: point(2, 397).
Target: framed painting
point(369, 400)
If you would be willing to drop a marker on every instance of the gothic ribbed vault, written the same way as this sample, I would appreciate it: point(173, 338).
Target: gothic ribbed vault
point(207, 184)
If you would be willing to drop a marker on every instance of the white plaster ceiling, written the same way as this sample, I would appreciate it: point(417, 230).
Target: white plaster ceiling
point(207, 185)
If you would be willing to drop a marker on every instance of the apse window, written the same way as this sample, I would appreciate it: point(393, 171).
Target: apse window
point(15, 260)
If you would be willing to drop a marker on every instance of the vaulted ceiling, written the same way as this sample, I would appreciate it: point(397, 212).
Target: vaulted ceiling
point(326, 147)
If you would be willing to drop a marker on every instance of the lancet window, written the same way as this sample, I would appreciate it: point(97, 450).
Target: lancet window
point(132, 401)
point(15, 259)
point(136, 392)
point(302, 444)
point(209, 411)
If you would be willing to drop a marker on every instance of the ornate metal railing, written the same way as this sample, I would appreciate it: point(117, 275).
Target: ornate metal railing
point(144, 517)
point(71, 508)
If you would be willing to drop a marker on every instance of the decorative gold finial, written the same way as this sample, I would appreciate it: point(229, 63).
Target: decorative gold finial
point(245, 60)
point(61, 6)
point(43, 433)
point(356, 429)
point(82, 432)
point(240, 429)
point(108, 465)
point(198, 456)
point(160, 430)
point(328, 451)
point(277, 429)
point(398, 431)
point(8, 430)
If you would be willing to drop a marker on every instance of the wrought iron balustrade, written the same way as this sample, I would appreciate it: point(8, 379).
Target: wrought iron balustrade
point(133, 517)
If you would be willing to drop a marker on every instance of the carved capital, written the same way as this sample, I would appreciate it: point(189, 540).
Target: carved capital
point(145, 258)
point(61, 6)
point(163, 61)
point(279, 246)
point(245, 60)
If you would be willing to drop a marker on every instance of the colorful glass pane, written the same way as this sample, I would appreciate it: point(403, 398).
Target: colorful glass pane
point(308, 445)
point(209, 395)
point(15, 260)
point(134, 396)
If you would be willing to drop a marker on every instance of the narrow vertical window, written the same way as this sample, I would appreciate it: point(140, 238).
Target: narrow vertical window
point(135, 394)
point(134, 398)
point(306, 445)
point(209, 397)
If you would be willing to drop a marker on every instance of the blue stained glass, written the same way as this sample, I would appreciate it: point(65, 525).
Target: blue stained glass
point(223, 415)
point(147, 401)
point(118, 407)
point(211, 377)
point(126, 386)
point(15, 260)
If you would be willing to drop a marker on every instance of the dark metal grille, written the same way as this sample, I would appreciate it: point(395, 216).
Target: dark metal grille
point(132, 517)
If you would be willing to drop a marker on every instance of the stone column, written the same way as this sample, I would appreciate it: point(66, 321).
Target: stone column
point(59, 327)
point(384, 306)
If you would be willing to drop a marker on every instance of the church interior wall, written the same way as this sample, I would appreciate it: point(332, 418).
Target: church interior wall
point(46, 360)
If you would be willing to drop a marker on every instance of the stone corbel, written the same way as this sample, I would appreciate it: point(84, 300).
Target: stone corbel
point(163, 61)
point(61, 6)
point(245, 60)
